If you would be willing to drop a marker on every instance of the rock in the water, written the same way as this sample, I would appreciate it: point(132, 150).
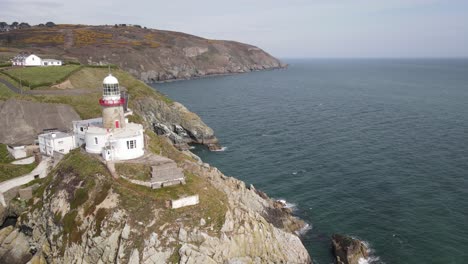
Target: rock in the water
point(348, 250)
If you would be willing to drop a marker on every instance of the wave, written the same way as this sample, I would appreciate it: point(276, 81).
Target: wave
point(372, 259)
point(306, 228)
point(221, 149)
point(288, 205)
point(298, 172)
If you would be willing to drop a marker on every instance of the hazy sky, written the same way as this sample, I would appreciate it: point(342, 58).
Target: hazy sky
point(288, 28)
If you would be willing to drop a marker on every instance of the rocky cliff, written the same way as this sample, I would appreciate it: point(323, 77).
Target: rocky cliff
point(80, 215)
point(149, 54)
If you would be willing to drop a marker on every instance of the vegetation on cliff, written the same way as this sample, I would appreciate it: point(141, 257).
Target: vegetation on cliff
point(148, 54)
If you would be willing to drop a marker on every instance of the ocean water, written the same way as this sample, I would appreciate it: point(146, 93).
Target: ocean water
point(375, 149)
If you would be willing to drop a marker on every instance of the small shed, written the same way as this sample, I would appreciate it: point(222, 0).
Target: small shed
point(17, 152)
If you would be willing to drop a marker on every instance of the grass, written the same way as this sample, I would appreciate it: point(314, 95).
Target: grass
point(161, 146)
point(5, 155)
point(134, 171)
point(10, 171)
point(41, 76)
point(83, 78)
point(140, 201)
point(86, 105)
point(5, 92)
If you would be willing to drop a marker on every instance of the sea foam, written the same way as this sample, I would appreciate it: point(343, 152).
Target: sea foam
point(220, 150)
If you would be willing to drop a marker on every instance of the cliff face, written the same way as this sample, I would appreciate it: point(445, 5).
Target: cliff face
point(81, 215)
point(158, 111)
point(150, 55)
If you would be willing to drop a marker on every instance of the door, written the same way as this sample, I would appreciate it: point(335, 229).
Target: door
point(117, 125)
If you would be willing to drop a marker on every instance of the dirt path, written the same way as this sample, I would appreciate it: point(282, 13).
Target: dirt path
point(10, 86)
point(69, 39)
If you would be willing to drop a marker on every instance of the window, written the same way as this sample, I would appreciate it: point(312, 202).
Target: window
point(131, 144)
point(81, 129)
point(60, 142)
point(95, 140)
point(111, 89)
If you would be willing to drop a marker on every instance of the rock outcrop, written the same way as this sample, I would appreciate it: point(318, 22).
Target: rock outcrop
point(23, 120)
point(107, 224)
point(348, 250)
point(150, 55)
point(157, 111)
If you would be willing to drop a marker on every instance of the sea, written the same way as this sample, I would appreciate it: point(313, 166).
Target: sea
point(376, 149)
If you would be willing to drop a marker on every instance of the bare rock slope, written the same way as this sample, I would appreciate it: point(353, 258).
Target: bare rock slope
point(149, 54)
point(23, 120)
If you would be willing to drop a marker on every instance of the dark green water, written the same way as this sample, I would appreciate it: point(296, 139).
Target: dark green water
point(376, 149)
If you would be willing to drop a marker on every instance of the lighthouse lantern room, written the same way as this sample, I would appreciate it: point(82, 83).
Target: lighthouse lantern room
point(112, 104)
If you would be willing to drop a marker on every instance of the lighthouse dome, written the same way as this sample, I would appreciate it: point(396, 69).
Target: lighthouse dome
point(110, 80)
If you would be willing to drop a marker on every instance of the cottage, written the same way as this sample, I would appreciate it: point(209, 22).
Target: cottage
point(33, 60)
point(26, 60)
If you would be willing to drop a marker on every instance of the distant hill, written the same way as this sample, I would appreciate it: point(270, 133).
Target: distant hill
point(149, 54)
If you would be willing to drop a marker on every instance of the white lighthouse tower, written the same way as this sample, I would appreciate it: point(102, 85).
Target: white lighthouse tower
point(112, 104)
point(112, 136)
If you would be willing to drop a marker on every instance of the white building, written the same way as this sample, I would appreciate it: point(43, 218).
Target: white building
point(112, 136)
point(51, 62)
point(81, 127)
point(26, 60)
point(56, 142)
point(33, 60)
point(18, 152)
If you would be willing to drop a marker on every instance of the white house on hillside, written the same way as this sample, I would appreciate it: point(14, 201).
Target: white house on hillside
point(26, 60)
point(33, 60)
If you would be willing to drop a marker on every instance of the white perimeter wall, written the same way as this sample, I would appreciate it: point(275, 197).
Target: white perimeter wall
point(187, 201)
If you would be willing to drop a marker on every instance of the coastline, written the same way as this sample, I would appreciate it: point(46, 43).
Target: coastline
point(282, 67)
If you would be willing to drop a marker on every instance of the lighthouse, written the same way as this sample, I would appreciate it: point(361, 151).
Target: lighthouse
point(112, 104)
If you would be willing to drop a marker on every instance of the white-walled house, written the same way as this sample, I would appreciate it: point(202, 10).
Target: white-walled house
point(34, 60)
point(51, 62)
point(51, 142)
